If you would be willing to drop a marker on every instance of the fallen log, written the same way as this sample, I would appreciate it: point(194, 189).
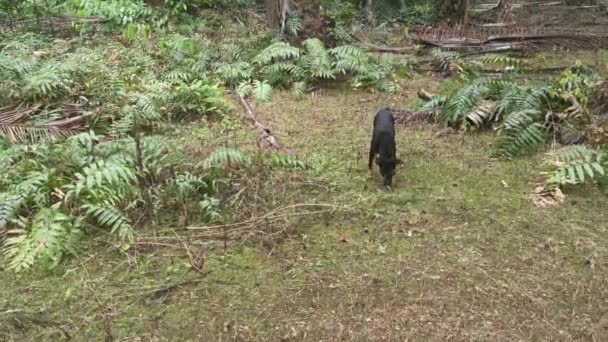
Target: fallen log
point(263, 131)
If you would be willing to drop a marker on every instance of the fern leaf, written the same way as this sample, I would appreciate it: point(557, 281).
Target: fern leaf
point(110, 217)
point(262, 91)
point(521, 140)
point(293, 25)
point(317, 60)
point(298, 88)
point(48, 237)
point(460, 104)
point(276, 52)
point(227, 157)
point(100, 175)
point(434, 103)
point(284, 161)
point(481, 113)
point(578, 164)
point(505, 61)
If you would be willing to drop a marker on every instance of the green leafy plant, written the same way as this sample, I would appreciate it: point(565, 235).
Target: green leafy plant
point(577, 165)
point(524, 115)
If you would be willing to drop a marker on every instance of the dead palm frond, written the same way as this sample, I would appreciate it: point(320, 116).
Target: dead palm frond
point(34, 134)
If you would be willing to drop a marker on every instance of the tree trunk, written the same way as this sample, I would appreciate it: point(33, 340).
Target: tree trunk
point(451, 12)
point(277, 11)
point(505, 4)
point(368, 10)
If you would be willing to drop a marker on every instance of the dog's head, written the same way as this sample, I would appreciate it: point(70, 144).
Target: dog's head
point(387, 169)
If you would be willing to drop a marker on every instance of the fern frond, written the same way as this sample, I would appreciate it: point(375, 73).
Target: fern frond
point(445, 59)
point(262, 91)
point(505, 62)
point(47, 238)
point(293, 25)
point(10, 204)
point(285, 161)
point(276, 52)
point(460, 104)
point(110, 217)
point(481, 113)
point(235, 72)
point(227, 157)
point(244, 89)
point(99, 175)
point(520, 98)
point(434, 103)
point(578, 164)
point(520, 140)
point(298, 88)
point(317, 59)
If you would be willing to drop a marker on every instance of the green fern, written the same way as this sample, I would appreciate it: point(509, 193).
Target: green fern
point(284, 161)
point(244, 89)
point(110, 217)
point(515, 98)
point(10, 204)
point(227, 157)
point(298, 88)
point(185, 185)
point(279, 51)
point(46, 238)
point(293, 25)
point(462, 102)
point(234, 73)
point(317, 59)
point(446, 59)
point(434, 103)
point(578, 164)
point(522, 132)
point(262, 91)
point(505, 62)
point(283, 73)
point(100, 175)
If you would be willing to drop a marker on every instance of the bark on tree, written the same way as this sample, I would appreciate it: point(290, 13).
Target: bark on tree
point(277, 11)
point(451, 12)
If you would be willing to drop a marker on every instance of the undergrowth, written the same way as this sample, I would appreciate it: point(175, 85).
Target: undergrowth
point(525, 115)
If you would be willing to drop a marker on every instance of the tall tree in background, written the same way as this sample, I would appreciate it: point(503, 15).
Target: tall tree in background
point(277, 11)
point(451, 12)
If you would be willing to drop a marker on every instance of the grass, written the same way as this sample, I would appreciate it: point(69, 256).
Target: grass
point(457, 252)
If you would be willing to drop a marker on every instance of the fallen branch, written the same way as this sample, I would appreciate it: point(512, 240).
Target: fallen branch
point(388, 49)
point(273, 213)
point(425, 95)
point(263, 131)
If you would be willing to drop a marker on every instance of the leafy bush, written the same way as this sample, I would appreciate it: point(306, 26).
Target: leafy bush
point(524, 115)
point(133, 17)
point(282, 65)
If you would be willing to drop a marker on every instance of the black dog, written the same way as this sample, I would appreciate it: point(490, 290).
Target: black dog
point(383, 146)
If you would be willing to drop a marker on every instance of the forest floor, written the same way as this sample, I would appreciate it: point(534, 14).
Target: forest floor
point(457, 252)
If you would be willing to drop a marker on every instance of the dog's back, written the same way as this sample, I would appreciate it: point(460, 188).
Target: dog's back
point(383, 145)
